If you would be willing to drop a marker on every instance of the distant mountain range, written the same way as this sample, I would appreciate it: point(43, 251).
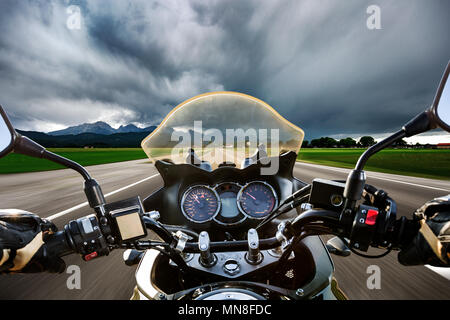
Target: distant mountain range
point(98, 135)
point(99, 127)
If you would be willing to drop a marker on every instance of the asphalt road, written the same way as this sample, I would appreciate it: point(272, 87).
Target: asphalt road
point(50, 193)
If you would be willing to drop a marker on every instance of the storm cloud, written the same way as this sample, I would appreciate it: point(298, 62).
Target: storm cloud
point(315, 61)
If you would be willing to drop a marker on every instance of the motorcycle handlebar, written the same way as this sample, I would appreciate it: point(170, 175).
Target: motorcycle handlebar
point(58, 245)
point(81, 236)
point(240, 245)
point(65, 242)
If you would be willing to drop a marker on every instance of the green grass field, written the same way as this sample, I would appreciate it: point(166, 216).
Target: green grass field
point(15, 163)
point(427, 163)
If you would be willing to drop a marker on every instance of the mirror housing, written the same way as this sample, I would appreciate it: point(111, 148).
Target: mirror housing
point(7, 134)
point(440, 110)
point(438, 115)
point(18, 143)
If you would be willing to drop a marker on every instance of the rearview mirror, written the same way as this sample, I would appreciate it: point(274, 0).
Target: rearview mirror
point(7, 134)
point(441, 103)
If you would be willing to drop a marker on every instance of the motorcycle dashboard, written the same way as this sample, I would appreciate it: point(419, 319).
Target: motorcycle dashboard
point(224, 199)
point(228, 203)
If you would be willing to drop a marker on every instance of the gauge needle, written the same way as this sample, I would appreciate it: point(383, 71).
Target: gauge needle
point(196, 198)
point(251, 196)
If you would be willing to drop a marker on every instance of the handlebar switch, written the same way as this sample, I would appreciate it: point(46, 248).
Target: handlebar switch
point(364, 226)
point(253, 255)
point(207, 259)
point(85, 237)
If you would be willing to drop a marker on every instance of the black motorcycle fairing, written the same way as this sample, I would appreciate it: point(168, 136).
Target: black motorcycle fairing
point(179, 177)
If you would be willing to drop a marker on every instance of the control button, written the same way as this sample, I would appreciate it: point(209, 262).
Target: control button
point(371, 217)
point(231, 267)
point(90, 256)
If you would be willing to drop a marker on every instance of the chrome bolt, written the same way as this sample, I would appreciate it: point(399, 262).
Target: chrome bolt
point(300, 292)
point(162, 296)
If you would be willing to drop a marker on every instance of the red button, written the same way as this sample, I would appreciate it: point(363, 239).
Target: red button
point(90, 256)
point(371, 217)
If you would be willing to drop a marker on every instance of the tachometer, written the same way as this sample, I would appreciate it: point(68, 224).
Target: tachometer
point(200, 204)
point(257, 199)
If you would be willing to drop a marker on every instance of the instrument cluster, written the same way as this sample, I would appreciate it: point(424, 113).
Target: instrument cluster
point(228, 203)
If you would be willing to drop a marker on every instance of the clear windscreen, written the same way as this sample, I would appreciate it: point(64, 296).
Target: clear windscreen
point(221, 127)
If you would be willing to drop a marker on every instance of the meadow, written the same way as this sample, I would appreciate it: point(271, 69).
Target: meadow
point(16, 163)
point(428, 163)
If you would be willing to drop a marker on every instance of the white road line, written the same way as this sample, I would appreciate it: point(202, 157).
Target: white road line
point(81, 205)
point(444, 272)
point(412, 184)
point(370, 175)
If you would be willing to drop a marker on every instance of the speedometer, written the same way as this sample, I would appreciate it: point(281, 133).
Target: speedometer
point(257, 199)
point(200, 204)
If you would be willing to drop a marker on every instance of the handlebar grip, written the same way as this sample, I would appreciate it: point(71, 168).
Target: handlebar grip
point(403, 232)
point(57, 244)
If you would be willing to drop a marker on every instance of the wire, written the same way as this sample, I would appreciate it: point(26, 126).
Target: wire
point(173, 228)
point(388, 250)
point(288, 251)
point(278, 212)
point(324, 230)
point(291, 198)
point(171, 256)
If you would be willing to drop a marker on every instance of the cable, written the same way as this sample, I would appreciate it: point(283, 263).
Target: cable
point(324, 230)
point(173, 228)
point(281, 210)
point(388, 250)
point(171, 255)
point(292, 197)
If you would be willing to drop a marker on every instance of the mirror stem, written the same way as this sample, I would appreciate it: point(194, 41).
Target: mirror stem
point(378, 147)
point(92, 189)
point(356, 179)
point(30, 148)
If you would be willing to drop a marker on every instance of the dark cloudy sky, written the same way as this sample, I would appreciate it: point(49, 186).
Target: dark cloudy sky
point(315, 61)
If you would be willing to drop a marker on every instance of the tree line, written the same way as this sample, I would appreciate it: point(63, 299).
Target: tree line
point(363, 142)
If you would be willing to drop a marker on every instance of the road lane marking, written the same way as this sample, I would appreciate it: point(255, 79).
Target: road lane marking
point(341, 170)
point(412, 184)
point(443, 272)
point(81, 205)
